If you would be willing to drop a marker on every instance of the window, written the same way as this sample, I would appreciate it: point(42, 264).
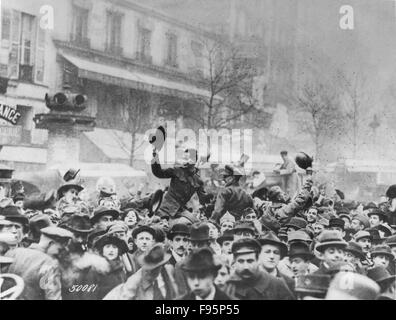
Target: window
point(80, 26)
point(171, 57)
point(21, 36)
point(114, 35)
point(197, 49)
point(144, 53)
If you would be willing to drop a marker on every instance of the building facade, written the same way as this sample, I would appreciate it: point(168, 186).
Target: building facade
point(137, 67)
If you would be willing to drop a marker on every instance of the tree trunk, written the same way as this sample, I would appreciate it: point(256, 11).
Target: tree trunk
point(132, 154)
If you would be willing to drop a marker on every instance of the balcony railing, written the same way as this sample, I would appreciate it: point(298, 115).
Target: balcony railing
point(144, 57)
point(26, 72)
point(115, 50)
point(80, 41)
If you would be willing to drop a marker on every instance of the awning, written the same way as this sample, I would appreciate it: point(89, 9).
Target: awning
point(136, 80)
point(23, 154)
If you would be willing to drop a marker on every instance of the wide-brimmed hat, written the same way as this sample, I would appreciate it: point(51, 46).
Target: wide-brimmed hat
point(330, 238)
point(356, 249)
point(201, 260)
point(386, 229)
point(228, 235)
point(270, 238)
point(178, 229)
point(382, 215)
point(111, 239)
point(296, 222)
point(155, 257)
point(313, 283)
point(143, 228)
point(199, 232)
point(78, 223)
point(95, 235)
point(37, 223)
point(101, 211)
point(57, 234)
point(300, 250)
point(370, 205)
point(67, 186)
point(13, 214)
point(269, 223)
point(298, 236)
point(383, 250)
point(380, 275)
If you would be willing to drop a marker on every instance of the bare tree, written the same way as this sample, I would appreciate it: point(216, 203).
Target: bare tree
point(354, 86)
point(321, 114)
point(229, 83)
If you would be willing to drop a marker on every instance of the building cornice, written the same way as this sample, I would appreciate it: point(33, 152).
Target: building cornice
point(161, 16)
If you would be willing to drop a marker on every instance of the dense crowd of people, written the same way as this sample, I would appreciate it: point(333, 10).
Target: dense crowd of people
point(245, 242)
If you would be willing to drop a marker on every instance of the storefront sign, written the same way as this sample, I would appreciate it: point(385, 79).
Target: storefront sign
point(9, 114)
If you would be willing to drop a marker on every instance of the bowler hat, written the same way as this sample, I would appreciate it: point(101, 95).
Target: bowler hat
point(303, 160)
point(380, 274)
point(356, 249)
point(200, 260)
point(118, 226)
point(228, 235)
point(313, 283)
point(199, 232)
point(78, 223)
point(298, 223)
point(342, 210)
point(300, 250)
point(344, 215)
point(330, 238)
point(67, 186)
point(143, 228)
point(111, 239)
point(270, 238)
point(246, 245)
point(13, 213)
point(158, 139)
point(155, 257)
point(178, 229)
point(382, 250)
point(382, 215)
point(386, 229)
point(391, 192)
point(101, 211)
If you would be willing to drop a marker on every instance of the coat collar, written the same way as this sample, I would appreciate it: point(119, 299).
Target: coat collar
point(259, 282)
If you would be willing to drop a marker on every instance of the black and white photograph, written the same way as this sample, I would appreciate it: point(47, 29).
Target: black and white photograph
point(197, 150)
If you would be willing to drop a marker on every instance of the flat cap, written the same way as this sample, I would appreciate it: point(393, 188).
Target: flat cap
point(56, 232)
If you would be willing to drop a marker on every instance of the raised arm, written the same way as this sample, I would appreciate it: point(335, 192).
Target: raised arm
point(158, 171)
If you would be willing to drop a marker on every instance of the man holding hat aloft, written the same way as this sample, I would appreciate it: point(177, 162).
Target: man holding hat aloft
point(201, 271)
point(248, 281)
point(39, 267)
point(233, 198)
point(331, 250)
point(185, 182)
